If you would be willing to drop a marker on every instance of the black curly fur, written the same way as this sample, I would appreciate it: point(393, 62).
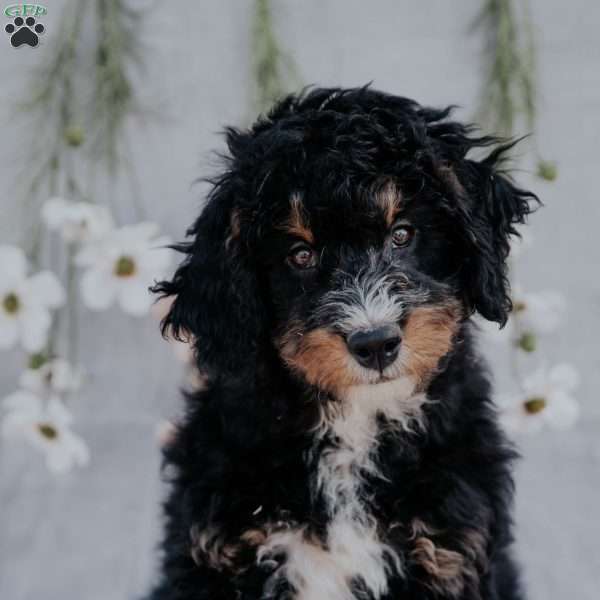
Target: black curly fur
point(246, 452)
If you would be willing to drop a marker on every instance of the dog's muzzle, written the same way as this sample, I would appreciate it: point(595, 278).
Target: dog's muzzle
point(375, 348)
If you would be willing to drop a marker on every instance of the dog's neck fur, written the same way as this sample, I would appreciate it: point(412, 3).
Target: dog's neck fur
point(351, 556)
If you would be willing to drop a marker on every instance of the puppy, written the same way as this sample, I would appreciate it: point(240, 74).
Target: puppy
point(345, 445)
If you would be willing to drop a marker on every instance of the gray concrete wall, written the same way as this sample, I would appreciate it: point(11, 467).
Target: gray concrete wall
point(90, 535)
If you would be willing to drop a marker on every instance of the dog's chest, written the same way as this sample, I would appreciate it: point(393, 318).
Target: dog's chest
point(351, 556)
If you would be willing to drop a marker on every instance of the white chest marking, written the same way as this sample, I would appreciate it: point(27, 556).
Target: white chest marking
point(353, 549)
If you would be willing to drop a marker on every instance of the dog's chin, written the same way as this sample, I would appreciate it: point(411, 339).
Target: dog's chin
point(380, 391)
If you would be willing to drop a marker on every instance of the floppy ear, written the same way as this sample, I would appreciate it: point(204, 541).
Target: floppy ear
point(216, 294)
point(493, 206)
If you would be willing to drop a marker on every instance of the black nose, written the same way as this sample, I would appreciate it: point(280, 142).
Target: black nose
point(376, 348)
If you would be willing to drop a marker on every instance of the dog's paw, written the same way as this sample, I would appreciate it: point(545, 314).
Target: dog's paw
point(209, 547)
point(24, 31)
point(445, 568)
point(449, 563)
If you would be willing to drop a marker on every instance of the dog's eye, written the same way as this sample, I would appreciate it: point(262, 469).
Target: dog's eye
point(303, 257)
point(402, 235)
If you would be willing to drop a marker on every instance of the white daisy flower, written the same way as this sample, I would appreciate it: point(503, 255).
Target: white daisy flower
point(56, 376)
point(25, 302)
point(539, 312)
point(46, 425)
point(121, 267)
point(534, 313)
point(546, 401)
point(76, 221)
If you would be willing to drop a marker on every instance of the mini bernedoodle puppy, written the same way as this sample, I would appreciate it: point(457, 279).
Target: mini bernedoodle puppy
point(345, 445)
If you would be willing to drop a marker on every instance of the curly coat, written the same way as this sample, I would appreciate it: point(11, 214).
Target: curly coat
point(299, 472)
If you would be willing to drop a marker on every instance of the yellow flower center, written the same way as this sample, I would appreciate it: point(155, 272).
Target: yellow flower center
point(535, 405)
point(519, 306)
point(48, 431)
point(527, 342)
point(125, 266)
point(11, 303)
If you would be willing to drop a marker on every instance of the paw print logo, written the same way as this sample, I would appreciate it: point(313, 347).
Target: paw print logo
point(24, 31)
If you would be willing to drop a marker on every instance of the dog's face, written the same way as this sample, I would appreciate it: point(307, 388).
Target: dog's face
point(350, 236)
point(364, 297)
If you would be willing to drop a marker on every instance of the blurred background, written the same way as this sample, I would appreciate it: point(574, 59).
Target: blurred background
point(107, 122)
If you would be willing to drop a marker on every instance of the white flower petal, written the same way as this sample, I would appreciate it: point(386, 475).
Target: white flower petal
point(563, 412)
point(54, 212)
point(84, 221)
point(32, 380)
point(543, 311)
point(140, 231)
point(53, 376)
point(9, 331)
point(517, 421)
point(98, 289)
point(22, 408)
point(14, 424)
point(57, 412)
point(68, 452)
point(98, 222)
point(44, 289)
point(89, 254)
point(64, 377)
point(13, 265)
point(23, 401)
point(35, 324)
point(135, 298)
point(564, 377)
point(155, 262)
point(58, 460)
point(535, 384)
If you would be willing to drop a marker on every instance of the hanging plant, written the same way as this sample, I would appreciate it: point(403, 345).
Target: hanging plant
point(79, 115)
point(509, 92)
point(509, 103)
point(274, 71)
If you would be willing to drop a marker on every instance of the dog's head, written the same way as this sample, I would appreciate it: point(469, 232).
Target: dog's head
point(349, 237)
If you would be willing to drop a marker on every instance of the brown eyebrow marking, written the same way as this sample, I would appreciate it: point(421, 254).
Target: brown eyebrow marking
point(388, 198)
point(297, 223)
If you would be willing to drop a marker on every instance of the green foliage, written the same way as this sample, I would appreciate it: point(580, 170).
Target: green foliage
point(118, 49)
point(274, 71)
point(78, 101)
point(547, 170)
point(79, 113)
point(509, 94)
point(509, 84)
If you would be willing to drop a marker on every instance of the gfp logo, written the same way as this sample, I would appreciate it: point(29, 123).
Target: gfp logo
point(25, 10)
point(24, 28)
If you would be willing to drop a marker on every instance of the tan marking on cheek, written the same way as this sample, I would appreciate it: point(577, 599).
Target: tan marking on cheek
point(320, 356)
point(427, 338)
point(297, 223)
point(388, 199)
